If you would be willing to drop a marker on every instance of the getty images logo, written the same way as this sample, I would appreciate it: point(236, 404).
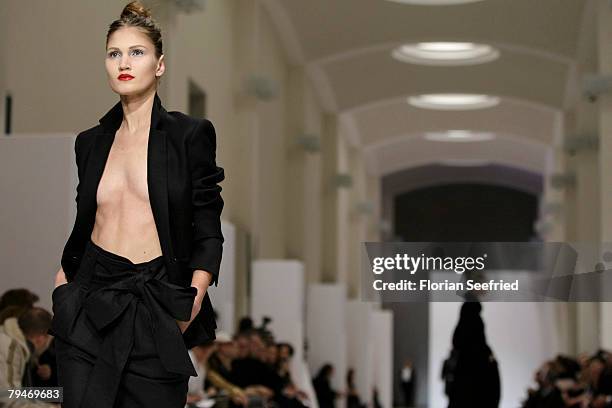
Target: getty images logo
point(412, 264)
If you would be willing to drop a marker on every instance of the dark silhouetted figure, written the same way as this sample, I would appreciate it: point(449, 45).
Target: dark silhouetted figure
point(471, 374)
point(407, 381)
point(322, 385)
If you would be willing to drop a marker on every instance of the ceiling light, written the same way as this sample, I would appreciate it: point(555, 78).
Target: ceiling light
point(459, 136)
point(453, 101)
point(445, 53)
point(434, 2)
point(465, 162)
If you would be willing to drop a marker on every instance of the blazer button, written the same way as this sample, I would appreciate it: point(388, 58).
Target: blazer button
point(174, 260)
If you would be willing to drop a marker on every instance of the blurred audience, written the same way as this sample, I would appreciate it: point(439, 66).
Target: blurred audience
point(247, 370)
point(199, 357)
point(566, 382)
point(18, 297)
point(23, 341)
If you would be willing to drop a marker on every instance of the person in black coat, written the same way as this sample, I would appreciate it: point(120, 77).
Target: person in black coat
point(326, 395)
point(471, 373)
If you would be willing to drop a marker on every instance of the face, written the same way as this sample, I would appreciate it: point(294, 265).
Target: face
point(258, 348)
point(272, 353)
point(595, 369)
point(228, 349)
point(283, 352)
point(243, 346)
point(40, 342)
point(131, 65)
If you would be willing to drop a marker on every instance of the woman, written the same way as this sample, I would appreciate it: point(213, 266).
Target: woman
point(352, 395)
point(326, 395)
point(131, 296)
point(471, 373)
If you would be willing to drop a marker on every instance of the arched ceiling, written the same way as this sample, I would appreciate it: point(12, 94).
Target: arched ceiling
point(345, 46)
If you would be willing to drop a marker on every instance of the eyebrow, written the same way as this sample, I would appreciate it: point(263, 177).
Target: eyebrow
point(133, 46)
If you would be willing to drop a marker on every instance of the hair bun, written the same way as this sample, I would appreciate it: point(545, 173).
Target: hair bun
point(136, 9)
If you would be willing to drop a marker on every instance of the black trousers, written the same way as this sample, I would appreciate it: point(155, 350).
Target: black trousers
point(117, 341)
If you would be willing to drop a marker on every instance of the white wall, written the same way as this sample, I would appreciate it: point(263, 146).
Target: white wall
point(325, 330)
point(223, 297)
point(37, 186)
point(359, 347)
point(277, 291)
point(269, 278)
point(381, 338)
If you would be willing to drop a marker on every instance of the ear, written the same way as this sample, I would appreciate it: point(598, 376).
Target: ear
point(161, 66)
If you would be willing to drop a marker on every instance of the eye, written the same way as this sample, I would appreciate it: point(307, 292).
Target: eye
point(112, 54)
point(138, 51)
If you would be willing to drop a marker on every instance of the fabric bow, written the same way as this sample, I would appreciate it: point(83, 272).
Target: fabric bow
point(112, 310)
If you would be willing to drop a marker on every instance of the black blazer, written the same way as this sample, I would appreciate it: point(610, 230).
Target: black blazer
point(182, 178)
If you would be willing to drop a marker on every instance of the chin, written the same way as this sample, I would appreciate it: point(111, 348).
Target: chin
point(128, 90)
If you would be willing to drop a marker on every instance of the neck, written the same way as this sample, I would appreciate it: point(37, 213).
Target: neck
point(137, 111)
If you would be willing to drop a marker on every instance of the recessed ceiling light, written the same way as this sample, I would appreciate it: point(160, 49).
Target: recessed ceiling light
point(453, 101)
point(465, 162)
point(459, 136)
point(445, 53)
point(434, 2)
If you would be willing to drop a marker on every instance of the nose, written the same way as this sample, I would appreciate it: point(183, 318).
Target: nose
point(125, 63)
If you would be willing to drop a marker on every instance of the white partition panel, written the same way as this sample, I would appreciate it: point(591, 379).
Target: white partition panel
point(223, 296)
point(277, 291)
point(360, 349)
point(326, 330)
point(381, 329)
point(38, 188)
point(301, 377)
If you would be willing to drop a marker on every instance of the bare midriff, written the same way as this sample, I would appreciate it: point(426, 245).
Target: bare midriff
point(124, 222)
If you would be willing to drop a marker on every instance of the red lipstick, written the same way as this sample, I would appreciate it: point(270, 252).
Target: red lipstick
point(125, 77)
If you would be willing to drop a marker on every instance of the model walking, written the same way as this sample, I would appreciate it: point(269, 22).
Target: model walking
point(131, 296)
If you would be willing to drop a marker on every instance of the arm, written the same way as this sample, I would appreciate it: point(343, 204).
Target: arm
point(200, 281)
point(11, 362)
point(207, 203)
point(70, 260)
point(60, 277)
point(207, 206)
point(222, 383)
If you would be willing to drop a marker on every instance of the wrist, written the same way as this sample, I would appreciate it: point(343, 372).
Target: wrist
point(201, 280)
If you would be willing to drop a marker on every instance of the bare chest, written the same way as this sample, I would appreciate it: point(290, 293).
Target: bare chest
point(124, 178)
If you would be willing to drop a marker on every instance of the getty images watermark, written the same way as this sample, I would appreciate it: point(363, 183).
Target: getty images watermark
point(488, 271)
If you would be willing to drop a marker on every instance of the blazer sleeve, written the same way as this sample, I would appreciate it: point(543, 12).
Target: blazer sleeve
point(207, 202)
point(77, 155)
point(70, 260)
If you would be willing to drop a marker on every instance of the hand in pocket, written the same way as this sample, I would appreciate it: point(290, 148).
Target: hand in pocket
point(182, 325)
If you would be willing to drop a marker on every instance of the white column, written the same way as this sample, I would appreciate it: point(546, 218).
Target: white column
point(604, 39)
point(326, 330)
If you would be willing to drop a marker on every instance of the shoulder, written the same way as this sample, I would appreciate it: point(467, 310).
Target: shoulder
point(187, 123)
point(86, 136)
point(183, 119)
point(87, 133)
point(83, 143)
point(192, 129)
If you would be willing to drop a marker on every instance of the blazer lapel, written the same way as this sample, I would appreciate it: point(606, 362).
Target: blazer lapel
point(157, 179)
point(157, 168)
